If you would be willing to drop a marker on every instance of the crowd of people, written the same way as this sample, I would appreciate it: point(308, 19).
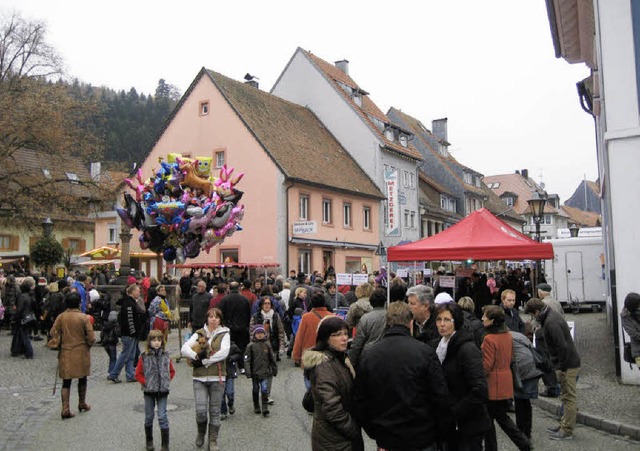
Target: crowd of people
point(420, 370)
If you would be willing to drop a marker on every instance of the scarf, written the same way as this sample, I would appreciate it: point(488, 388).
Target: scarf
point(441, 350)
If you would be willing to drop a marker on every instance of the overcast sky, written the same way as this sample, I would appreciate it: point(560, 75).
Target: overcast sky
point(487, 66)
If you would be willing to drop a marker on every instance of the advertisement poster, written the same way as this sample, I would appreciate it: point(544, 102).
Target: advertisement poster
point(393, 207)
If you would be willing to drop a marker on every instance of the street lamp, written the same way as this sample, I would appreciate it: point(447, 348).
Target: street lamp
point(536, 206)
point(573, 230)
point(382, 252)
point(47, 226)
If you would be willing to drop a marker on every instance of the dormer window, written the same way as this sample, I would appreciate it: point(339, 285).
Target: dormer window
point(509, 201)
point(468, 178)
point(72, 176)
point(404, 142)
point(357, 98)
point(388, 133)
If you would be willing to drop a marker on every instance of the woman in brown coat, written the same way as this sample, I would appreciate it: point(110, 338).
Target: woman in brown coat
point(332, 384)
point(497, 353)
point(73, 332)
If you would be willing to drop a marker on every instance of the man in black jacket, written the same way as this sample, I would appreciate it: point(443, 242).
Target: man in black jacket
point(564, 359)
point(198, 306)
point(401, 393)
point(237, 315)
point(129, 328)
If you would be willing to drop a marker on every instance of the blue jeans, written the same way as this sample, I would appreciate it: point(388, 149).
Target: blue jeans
point(208, 397)
point(129, 346)
point(228, 396)
point(150, 402)
point(112, 353)
point(26, 341)
point(261, 385)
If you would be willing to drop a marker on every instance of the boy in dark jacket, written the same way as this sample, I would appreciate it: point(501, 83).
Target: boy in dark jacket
point(109, 338)
point(233, 361)
point(261, 367)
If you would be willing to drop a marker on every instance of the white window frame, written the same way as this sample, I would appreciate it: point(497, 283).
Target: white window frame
point(304, 261)
point(412, 180)
point(327, 206)
point(112, 232)
point(346, 215)
point(412, 217)
point(304, 207)
point(366, 218)
point(406, 219)
point(221, 158)
point(204, 108)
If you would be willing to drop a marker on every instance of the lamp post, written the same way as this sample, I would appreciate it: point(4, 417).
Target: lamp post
point(382, 252)
point(47, 226)
point(536, 206)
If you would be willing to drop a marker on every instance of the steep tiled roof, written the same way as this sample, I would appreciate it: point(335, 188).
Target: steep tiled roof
point(517, 184)
point(52, 182)
point(368, 108)
point(581, 217)
point(295, 139)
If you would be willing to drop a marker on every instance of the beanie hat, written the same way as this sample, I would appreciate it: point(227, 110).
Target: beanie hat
point(131, 280)
point(256, 329)
point(94, 295)
point(544, 287)
point(443, 298)
point(113, 315)
point(328, 325)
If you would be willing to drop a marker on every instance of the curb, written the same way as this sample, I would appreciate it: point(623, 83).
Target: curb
point(594, 421)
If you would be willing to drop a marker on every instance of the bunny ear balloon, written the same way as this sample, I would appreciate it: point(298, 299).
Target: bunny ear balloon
point(183, 209)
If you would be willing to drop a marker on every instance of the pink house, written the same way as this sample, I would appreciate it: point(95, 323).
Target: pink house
point(308, 205)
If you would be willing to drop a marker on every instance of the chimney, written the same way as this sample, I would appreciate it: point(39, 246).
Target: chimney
point(518, 171)
point(253, 83)
point(343, 65)
point(95, 171)
point(439, 127)
point(525, 174)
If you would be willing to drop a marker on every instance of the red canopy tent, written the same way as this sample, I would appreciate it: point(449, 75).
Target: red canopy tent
point(479, 236)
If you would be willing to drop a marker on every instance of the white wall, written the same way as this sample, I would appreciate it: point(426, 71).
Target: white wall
point(302, 83)
point(618, 147)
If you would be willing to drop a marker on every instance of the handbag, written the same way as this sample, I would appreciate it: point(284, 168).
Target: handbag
point(29, 318)
point(307, 401)
point(517, 381)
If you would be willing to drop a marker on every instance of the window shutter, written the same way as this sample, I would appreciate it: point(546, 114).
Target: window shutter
point(65, 244)
point(82, 246)
point(15, 243)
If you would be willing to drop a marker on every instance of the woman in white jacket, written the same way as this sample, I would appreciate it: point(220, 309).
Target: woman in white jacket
point(208, 349)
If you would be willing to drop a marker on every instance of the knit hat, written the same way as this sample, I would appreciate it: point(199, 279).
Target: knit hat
point(131, 280)
point(94, 295)
point(544, 287)
point(328, 325)
point(113, 315)
point(256, 329)
point(443, 298)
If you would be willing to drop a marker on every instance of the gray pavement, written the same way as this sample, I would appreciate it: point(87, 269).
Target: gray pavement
point(30, 414)
point(603, 402)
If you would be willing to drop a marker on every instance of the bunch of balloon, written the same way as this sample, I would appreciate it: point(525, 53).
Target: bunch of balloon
point(183, 209)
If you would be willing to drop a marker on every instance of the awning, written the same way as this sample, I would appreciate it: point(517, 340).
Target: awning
point(224, 265)
point(97, 262)
point(479, 236)
point(327, 243)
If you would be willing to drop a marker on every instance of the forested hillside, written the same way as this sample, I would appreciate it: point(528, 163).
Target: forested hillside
point(127, 122)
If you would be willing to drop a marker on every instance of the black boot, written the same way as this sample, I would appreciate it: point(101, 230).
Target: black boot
point(164, 433)
point(256, 403)
point(265, 405)
point(202, 429)
point(148, 433)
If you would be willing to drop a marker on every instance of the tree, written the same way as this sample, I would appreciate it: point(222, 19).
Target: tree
point(40, 114)
point(46, 252)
